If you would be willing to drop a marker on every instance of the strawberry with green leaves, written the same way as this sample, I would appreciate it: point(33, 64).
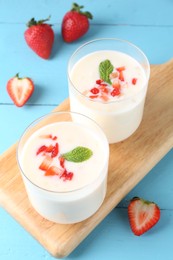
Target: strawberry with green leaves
point(143, 215)
point(40, 37)
point(20, 89)
point(75, 23)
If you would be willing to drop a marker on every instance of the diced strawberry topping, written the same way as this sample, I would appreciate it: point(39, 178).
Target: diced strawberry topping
point(54, 138)
point(96, 96)
point(41, 149)
point(115, 92)
point(134, 80)
point(119, 69)
point(44, 166)
point(121, 76)
point(53, 170)
point(55, 150)
point(49, 149)
point(95, 90)
point(61, 161)
point(116, 84)
point(104, 96)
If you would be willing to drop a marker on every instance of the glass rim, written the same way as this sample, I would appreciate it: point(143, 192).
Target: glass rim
point(33, 123)
point(108, 39)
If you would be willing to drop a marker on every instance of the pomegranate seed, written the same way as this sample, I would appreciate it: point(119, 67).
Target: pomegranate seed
point(134, 80)
point(99, 81)
point(115, 92)
point(67, 175)
point(94, 90)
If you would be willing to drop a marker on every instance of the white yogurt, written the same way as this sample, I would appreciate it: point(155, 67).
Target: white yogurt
point(118, 115)
point(56, 197)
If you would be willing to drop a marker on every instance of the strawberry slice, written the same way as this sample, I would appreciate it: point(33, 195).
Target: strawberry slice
point(53, 170)
point(61, 161)
point(44, 166)
point(143, 215)
point(42, 148)
point(55, 150)
point(20, 89)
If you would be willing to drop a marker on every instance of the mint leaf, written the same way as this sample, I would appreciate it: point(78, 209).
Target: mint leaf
point(105, 69)
point(79, 154)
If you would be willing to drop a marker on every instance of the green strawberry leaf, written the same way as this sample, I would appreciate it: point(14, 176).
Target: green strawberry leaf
point(78, 154)
point(105, 69)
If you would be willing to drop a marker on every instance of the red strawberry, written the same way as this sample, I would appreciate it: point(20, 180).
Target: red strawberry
point(44, 166)
point(75, 23)
point(143, 215)
point(40, 37)
point(20, 89)
point(53, 170)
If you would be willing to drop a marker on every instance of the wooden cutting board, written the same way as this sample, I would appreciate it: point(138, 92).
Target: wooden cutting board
point(130, 161)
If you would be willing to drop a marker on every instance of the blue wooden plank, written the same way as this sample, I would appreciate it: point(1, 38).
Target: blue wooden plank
point(155, 12)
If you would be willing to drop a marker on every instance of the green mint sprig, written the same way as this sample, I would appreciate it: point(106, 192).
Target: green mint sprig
point(78, 154)
point(105, 69)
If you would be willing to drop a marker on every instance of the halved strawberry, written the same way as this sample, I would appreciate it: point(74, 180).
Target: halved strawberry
point(143, 215)
point(53, 170)
point(20, 89)
point(44, 166)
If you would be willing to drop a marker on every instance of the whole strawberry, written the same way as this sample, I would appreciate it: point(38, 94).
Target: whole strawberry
point(75, 23)
point(20, 89)
point(40, 37)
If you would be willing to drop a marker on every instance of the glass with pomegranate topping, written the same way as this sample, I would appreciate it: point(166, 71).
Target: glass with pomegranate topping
point(63, 158)
point(108, 81)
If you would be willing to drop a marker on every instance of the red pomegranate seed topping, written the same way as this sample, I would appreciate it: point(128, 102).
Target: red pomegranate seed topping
point(67, 176)
point(41, 149)
point(94, 90)
point(55, 150)
point(99, 81)
point(120, 68)
point(134, 80)
point(115, 92)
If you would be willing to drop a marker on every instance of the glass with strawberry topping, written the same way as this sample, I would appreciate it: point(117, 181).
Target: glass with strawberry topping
point(108, 81)
point(63, 158)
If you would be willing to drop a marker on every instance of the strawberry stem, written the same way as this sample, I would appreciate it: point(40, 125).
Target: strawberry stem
point(77, 8)
point(34, 22)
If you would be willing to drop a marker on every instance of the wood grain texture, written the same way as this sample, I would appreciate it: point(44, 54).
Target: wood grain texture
point(130, 161)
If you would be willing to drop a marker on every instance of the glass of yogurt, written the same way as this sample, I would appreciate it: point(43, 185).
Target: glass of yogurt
point(108, 81)
point(63, 159)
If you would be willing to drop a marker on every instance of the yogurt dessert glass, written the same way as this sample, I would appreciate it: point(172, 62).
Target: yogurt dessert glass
point(108, 81)
point(63, 158)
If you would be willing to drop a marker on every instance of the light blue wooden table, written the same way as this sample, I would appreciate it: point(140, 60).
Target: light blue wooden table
point(148, 24)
